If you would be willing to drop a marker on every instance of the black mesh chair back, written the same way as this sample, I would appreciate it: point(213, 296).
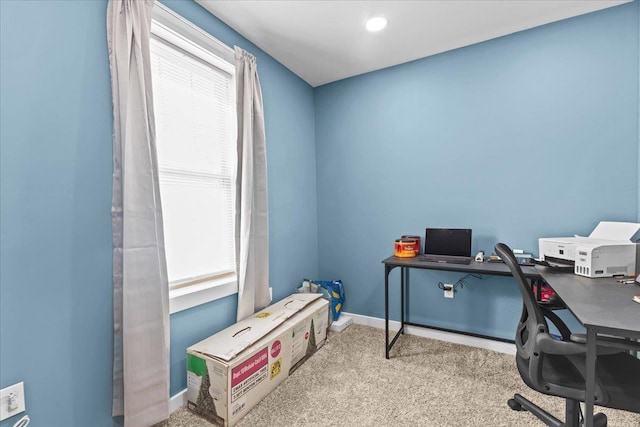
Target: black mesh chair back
point(532, 320)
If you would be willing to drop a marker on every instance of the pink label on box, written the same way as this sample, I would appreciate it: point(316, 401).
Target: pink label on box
point(249, 367)
point(275, 348)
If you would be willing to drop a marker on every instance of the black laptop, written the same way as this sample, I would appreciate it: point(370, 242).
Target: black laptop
point(447, 245)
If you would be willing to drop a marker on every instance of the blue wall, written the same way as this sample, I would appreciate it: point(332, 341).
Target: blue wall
point(529, 135)
point(56, 154)
point(55, 269)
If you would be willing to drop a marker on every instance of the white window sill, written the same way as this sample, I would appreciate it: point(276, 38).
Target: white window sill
point(201, 293)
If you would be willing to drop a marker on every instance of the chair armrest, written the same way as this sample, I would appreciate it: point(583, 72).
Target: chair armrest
point(546, 344)
point(579, 338)
point(609, 342)
point(604, 344)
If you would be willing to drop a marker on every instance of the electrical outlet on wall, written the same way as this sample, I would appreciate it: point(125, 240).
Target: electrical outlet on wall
point(448, 290)
point(12, 401)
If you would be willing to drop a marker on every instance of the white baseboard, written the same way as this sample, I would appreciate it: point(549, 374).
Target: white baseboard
point(178, 401)
point(342, 323)
point(376, 322)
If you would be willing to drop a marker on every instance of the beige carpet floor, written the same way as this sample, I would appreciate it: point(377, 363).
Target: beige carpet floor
point(348, 382)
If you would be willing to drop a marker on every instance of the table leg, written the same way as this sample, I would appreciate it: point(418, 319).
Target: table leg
point(591, 377)
point(386, 311)
point(403, 272)
point(389, 342)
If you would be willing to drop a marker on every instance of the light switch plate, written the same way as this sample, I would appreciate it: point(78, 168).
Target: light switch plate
point(18, 390)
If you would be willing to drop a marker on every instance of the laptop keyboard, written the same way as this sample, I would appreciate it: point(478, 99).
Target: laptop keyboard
point(447, 259)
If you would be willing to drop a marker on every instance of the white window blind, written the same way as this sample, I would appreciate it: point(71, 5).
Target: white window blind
point(194, 102)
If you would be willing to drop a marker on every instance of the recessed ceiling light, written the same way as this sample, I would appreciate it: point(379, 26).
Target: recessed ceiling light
point(376, 24)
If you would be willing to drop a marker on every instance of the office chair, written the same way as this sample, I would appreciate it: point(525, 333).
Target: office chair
point(556, 366)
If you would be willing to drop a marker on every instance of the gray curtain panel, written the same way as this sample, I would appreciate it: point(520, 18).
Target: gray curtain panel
point(252, 218)
point(141, 295)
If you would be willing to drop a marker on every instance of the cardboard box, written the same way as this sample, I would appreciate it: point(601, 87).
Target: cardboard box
point(231, 371)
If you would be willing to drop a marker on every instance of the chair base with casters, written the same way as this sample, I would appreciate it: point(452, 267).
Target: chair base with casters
point(572, 413)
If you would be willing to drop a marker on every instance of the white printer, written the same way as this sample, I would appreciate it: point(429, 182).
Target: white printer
point(607, 252)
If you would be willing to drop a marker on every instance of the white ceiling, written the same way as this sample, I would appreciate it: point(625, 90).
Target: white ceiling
point(325, 41)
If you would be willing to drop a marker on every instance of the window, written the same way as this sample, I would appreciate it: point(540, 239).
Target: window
point(195, 115)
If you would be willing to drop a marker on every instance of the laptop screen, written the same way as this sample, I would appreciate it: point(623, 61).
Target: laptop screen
point(448, 241)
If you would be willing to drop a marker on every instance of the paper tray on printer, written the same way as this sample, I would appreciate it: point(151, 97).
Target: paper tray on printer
point(552, 264)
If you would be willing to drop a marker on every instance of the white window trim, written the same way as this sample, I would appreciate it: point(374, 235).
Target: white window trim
point(201, 293)
point(191, 33)
point(170, 26)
